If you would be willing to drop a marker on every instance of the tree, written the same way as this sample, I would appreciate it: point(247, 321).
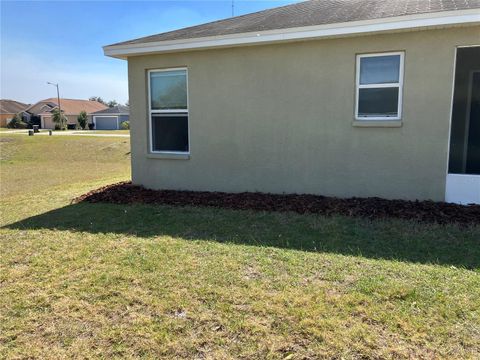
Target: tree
point(125, 125)
point(110, 103)
point(97, 98)
point(82, 120)
point(17, 123)
point(59, 119)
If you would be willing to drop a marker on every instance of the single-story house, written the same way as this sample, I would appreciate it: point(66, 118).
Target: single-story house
point(71, 108)
point(110, 118)
point(340, 98)
point(9, 108)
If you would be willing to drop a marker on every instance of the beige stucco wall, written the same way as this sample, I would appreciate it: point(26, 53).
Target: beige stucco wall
point(5, 119)
point(71, 119)
point(278, 118)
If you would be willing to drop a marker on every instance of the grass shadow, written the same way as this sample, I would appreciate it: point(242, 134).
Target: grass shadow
point(385, 239)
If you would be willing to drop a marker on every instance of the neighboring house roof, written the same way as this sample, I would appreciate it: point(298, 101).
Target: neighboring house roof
point(12, 106)
point(302, 16)
point(69, 106)
point(40, 107)
point(115, 110)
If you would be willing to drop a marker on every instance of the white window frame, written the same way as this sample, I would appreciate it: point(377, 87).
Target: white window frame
point(166, 111)
point(398, 85)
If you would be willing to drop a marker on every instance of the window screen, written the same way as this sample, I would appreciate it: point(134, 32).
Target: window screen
point(169, 110)
point(170, 132)
point(379, 86)
point(168, 90)
point(379, 69)
point(378, 102)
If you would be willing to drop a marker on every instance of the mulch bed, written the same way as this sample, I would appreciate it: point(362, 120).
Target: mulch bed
point(371, 208)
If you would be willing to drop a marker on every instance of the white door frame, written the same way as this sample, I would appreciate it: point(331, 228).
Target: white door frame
point(461, 188)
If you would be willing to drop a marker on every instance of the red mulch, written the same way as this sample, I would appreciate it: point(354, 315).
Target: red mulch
point(372, 208)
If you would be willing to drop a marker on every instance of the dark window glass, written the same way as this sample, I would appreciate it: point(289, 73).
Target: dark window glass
point(380, 69)
point(168, 90)
point(473, 145)
point(378, 102)
point(170, 132)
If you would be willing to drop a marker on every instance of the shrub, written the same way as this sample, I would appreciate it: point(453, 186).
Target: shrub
point(17, 123)
point(125, 125)
point(59, 120)
point(82, 120)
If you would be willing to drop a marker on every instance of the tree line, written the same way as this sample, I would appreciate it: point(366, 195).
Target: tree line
point(110, 103)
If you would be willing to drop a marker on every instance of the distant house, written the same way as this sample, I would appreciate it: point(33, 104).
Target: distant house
point(342, 98)
point(71, 108)
point(8, 109)
point(110, 118)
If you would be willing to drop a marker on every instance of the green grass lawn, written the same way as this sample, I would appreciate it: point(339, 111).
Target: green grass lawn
point(109, 132)
point(100, 280)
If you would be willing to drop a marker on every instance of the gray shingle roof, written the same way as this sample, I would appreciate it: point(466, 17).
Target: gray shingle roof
point(311, 13)
point(117, 109)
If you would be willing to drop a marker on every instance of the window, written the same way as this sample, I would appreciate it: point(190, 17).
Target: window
point(379, 86)
point(168, 106)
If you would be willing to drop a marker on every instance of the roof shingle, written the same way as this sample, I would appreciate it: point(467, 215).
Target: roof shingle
point(310, 13)
point(12, 106)
point(69, 106)
point(117, 109)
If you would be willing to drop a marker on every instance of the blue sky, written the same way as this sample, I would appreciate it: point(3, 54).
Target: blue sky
point(61, 41)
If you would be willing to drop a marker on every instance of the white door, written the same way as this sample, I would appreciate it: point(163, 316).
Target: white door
point(463, 178)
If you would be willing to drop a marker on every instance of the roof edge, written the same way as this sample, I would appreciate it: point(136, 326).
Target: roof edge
point(104, 113)
point(398, 23)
